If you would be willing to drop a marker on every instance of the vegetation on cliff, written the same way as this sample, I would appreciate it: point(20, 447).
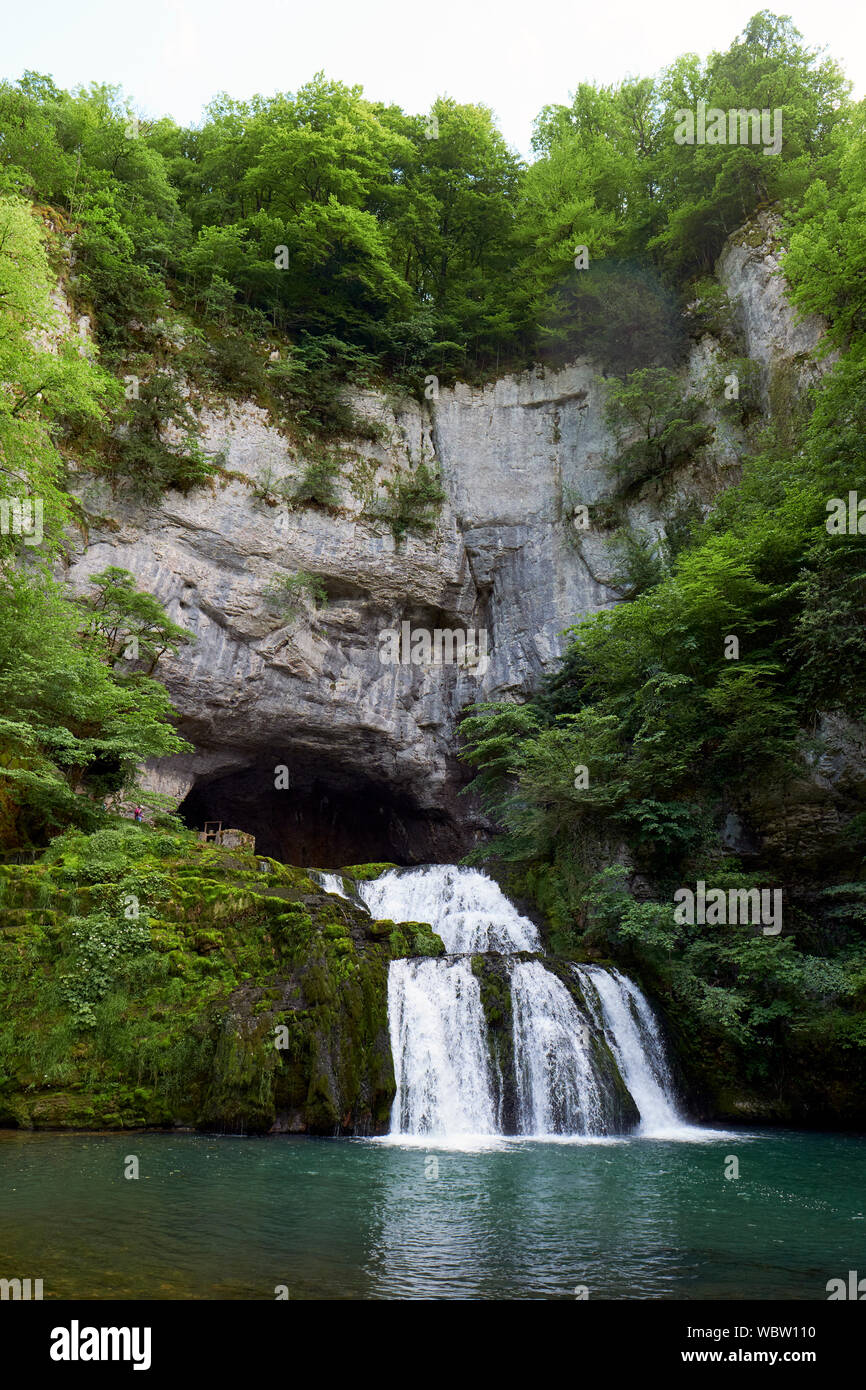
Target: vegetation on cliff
point(701, 760)
point(296, 241)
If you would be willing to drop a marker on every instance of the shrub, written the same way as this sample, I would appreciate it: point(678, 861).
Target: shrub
point(318, 485)
point(650, 405)
point(412, 502)
point(289, 593)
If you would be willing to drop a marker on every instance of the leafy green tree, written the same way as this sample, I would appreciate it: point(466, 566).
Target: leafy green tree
point(123, 619)
point(72, 732)
point(654, 424)
point(712, 189)
point(47, 376)
point(826, 263)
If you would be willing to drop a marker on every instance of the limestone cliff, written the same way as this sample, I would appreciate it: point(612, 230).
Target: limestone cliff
point(370, 747)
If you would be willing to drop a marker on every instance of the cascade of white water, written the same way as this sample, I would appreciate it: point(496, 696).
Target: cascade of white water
point(468, 910)
point(331, 883)
point(439, 1044)
point(633, 1036)
point(558, 1089)
point(447, 1084)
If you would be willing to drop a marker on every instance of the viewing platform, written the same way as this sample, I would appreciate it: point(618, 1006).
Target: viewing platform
point(230, 839)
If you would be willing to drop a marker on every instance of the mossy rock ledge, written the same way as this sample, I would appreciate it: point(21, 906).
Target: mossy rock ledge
point(149, 980)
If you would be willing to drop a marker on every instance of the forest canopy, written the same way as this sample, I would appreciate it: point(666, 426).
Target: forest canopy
point(380, 241)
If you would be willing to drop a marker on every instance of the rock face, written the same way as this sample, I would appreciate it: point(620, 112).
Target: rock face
point(368, 747)
point(781, 341)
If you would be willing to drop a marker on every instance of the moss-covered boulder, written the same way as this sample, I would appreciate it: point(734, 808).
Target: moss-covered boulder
point(365, 872)
point(147, 979)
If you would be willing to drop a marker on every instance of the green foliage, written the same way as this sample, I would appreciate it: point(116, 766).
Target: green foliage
point(310, 383)
point(370, 241)
point(639, 559)
point(711, 311)
point(108, 1018)
point(41, 388)
point(739, 400)
point(611, 175)
point(618, 314)
point(318, 485)
point(289, 593)
point(825, 260)
point(413, 501)
point(746, 991)
point(655, 426)
point(716, 188)
point(74, 730)
point(138, 451)
point(100, 947)
point(125, 621)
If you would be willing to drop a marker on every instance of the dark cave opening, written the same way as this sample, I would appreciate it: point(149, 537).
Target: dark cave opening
point(325, 818)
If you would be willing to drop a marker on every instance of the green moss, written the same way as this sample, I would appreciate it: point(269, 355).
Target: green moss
point(182, 1030)
point(399, 943)
point(495, 986)
point(380, 929)
point(427, 943)
point(364, 872)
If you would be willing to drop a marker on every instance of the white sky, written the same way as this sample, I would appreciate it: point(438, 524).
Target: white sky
point(172, 56)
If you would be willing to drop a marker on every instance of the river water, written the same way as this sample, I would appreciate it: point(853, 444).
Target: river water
point(510, 1218)
point(453, 1203)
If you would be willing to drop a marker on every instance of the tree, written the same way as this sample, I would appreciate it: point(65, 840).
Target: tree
point(655, 426)
point(72, 732)
point(712, 189)
point(45, 376)
point(826, 262)
point(122, 618)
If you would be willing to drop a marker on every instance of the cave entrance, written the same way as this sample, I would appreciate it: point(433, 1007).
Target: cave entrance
point(325, 818)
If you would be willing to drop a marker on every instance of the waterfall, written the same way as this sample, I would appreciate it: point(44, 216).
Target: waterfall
point(558, 1090)
point(331, 883)
point(635, 1041)
point(467, 909)
point(446, 1083)
point(556, 1059)
point(439, 1043)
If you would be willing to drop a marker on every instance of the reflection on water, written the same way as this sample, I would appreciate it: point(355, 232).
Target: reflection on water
point(234, 1218)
